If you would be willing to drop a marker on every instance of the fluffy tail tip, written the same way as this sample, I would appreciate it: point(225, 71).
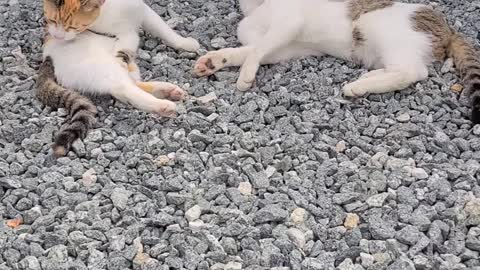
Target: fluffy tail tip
point(59, 150)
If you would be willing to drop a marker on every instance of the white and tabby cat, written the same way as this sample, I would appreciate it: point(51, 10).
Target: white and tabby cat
point(397, 40)
point(90, 47)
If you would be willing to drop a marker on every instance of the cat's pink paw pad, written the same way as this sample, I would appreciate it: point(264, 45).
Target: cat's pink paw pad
point(209, 64)
point(176, 94)
point(166, 109)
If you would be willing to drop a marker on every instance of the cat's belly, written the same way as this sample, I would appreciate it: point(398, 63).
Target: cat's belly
point(85, 64)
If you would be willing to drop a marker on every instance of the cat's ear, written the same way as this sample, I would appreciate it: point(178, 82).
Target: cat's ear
point(89, 5)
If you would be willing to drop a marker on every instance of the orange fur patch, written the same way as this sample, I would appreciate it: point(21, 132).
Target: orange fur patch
point(146, 86)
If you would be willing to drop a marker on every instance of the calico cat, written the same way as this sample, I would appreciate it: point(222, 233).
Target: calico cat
point(90, 47)
point(397, 40)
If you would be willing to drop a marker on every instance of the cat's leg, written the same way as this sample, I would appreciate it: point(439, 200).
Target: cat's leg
point(132, 94)
point(154, 24)
point(216, 60)
point(385, 81)
point(229, 57)
point(276, 38)
point(163, 90)
point(372, 73)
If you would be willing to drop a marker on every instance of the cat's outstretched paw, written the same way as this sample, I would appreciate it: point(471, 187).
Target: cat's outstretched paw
point(166, 108)
point(171, 92)
point(189, 44)
point(209, 64)
point(354, 90)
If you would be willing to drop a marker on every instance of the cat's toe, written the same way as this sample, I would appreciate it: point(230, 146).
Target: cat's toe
point(243, 85)
point(352, 90)
point(166, 108)
point(190, 45)
point(176, 94)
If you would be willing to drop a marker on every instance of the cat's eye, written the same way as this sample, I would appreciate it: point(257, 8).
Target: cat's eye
point(51, 21)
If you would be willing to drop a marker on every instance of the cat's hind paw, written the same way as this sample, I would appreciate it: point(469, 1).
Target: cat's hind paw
point(354, 90)
point(209, 64)
point(166, 108)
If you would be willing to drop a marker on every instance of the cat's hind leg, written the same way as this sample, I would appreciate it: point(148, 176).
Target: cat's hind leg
point(384, 81)
point(216, 60)
point(132, 94)
point(154, 24)
point(163, 90)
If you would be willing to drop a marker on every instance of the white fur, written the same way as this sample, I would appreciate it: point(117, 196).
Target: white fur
point(277, 30)
point(88, 62)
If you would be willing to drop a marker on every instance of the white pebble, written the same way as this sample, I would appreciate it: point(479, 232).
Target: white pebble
point(245, 188)
point(193, 213)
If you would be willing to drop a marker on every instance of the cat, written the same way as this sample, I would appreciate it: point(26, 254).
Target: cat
point(90, 46)
point(397, 40)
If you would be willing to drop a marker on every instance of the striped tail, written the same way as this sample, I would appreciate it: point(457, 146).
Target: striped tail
point(467, 62)
point(81, 110)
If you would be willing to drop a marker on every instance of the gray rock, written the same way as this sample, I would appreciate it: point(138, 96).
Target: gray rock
point(270, 213)
point(119, 198)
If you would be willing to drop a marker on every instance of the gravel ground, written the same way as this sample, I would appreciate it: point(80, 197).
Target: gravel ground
point(287, 176)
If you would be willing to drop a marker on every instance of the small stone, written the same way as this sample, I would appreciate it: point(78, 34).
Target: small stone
point(402, 263)
point(447, 66)
point(367, 259)
point(270, 213)
point(297, 237)
point(162, 161)
point(457, 88)
point(476, 130)
point(404, 117)
point(89, 178)
point(207, 98)
point(298, 216)
point(377, 200)
point(472, 209)
point(30, 263)
point(119, 198)
point(408, 235)
point(245, 188)
point(347, 264)
point(233, 266)
point(193, 213)
point(11, 183)
point(341, 146)
point(351, 221)
point(419, 173)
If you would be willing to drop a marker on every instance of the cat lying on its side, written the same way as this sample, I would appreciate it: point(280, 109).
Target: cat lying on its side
point(397, 40)
point(90, 47)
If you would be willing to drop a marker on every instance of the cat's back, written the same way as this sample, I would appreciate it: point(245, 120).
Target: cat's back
point(120, 14)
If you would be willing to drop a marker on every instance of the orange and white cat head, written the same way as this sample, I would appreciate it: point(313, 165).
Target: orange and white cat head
point(66, 18)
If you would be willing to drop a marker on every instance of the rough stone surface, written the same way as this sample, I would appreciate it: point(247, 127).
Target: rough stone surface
point(405, 163)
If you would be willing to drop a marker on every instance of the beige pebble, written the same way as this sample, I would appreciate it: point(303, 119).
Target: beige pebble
point(341, 146)
point(298, 216)
point(245, 188)
point(457, 88)
point(351, 221)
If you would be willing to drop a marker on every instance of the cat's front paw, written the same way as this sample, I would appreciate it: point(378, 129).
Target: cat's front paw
point(209, 64)
point(166, 108)
point(189, 44)
point(354, 90)
point(244, 85)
